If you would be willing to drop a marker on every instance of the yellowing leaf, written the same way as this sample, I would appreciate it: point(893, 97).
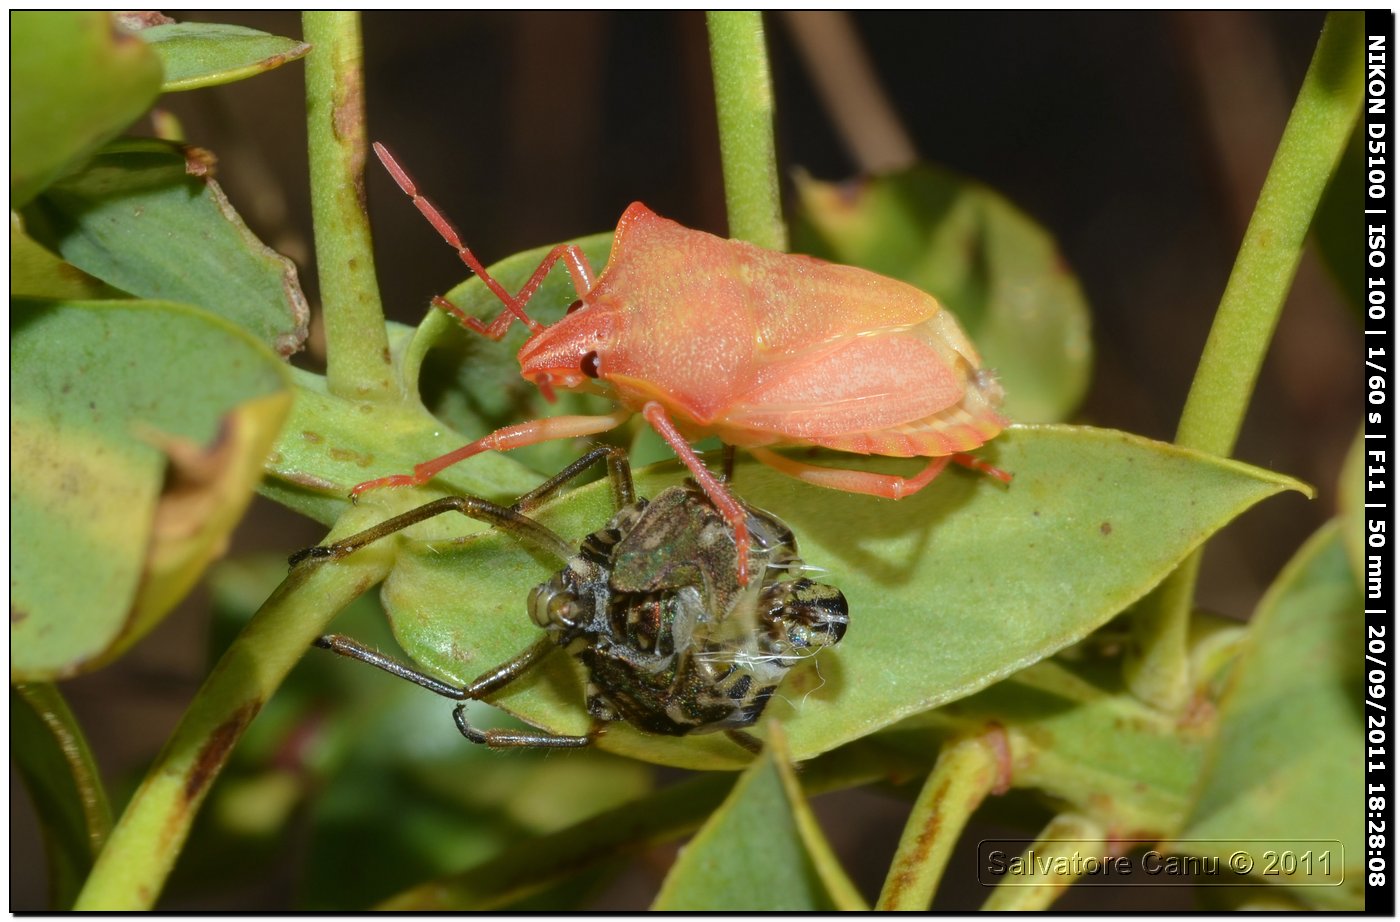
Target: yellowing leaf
point(102, 557)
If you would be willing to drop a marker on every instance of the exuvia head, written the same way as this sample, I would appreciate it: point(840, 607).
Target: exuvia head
point(811, 615)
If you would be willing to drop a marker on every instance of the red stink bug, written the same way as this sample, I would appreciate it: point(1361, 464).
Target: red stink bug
point(706, 336)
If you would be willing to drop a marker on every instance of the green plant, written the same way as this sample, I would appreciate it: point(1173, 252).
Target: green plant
point(989, 626)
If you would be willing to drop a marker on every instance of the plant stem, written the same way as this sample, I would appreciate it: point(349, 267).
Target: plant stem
point(142, 848)
point(744, 103)
point(52, 757)
point(51, 707)
point(966, 771)
point(1064, 837)
point(856, 103)
point(1313, 141)
point(358, 366)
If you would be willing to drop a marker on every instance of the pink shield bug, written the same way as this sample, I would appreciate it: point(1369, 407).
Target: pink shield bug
point(706, 336)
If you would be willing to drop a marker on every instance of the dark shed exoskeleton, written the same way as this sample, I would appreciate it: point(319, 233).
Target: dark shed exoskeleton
point(651, 605)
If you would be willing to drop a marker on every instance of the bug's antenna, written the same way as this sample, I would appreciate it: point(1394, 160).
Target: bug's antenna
point(443, 227)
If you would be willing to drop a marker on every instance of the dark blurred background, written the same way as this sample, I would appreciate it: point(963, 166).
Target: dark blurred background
point(1139, 140)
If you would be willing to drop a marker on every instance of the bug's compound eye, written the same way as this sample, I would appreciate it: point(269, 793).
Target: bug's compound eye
point(573, 307)
point(589, 365)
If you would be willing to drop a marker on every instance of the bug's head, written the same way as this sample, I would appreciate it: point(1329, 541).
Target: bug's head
point(571, 354)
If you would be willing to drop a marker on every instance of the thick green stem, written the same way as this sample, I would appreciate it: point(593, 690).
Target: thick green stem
point(142, 848)
point(744, 102)
point(357, 347)
point(1313, 141)
point(967, 770)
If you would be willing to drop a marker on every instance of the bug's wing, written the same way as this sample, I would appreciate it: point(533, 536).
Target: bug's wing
point(902, 393)
point(800, 303)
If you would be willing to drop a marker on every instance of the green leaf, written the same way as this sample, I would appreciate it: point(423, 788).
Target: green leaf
point(200, 54)
point(37, 273)
point(330, 444)
point(949, 590)
point(145, 217)
point(78, 81)
point(56, 765)
point(137, 434)
point(1286, 765)
point(986, 260)
point(760, 851)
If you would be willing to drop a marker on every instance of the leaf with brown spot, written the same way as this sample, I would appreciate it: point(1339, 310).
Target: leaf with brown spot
point(206, 492)
point(137, 219)
point(200, 54)
point(101, 550)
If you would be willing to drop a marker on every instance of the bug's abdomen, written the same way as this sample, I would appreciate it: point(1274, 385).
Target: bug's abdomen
point(680, 698)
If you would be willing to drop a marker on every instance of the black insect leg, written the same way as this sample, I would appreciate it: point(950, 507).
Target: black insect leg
point(619, 475)
point(346, 646)
point(512, 739)
point(486, 684)
point(727, 463)
point(510, 520)
point(747, 740)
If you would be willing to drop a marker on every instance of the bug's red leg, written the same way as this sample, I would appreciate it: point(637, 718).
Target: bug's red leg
point(972, 462)
point(714, 488)
point(517, 436)
point(872, 484)
point(577, 264)
point(849, 481)
point(579, 271)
